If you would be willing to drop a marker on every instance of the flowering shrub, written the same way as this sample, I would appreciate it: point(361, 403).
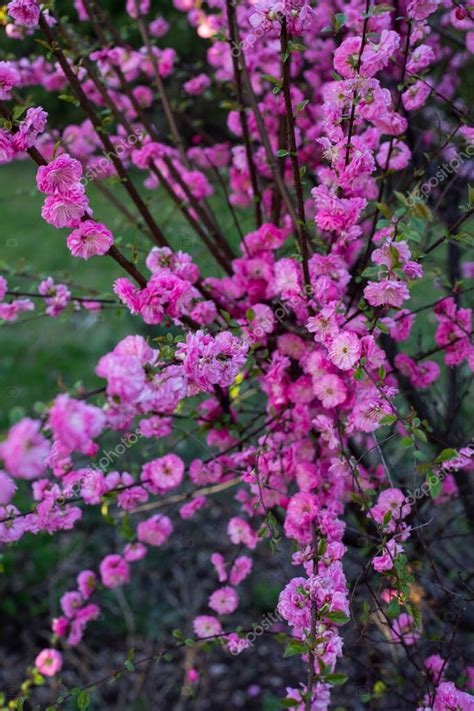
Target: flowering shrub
point(335, 439)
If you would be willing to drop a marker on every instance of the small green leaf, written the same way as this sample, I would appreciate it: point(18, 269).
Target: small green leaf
point(435, 485)
point(388, 420)
point(302, 105)
point(338, 617)
point(295, 646)
point(394, 609)
point(338, 21)
point(336, 679)
point(446, 455)
point(83, 700)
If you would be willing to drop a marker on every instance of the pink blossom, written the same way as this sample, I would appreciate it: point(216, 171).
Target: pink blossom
point(12, 526)
point(159, 27)
point(415, 95)
point(114, 571)
point(393, 501)
point(206, 626)
point(86, 582)
point(345, 350)
point(435, 665)
point(134, 551)
point(217, 561)
point(387, 292)
point(24, 12)
point(70, 603)
point(188, 510)
point(58, 296)
point(75, 424)
point(239, 531)
point(376, 56)
point(400, 155)
point(89, 239)
point(404, 629)
point(346, 57)
point(334, 213)
point(49, 661)
point(65, 210)
point(294, 604)
point(7, 150)
point(60, 176)
point(197, 85)
point(25, 450)
point(240, 570)
point(3, 287)
point(163, 474)
point(385, 561)
point(421, 9)
point(137, 8)
point(7, 488)
point(9, 78)
point(60, 626)
point(330, 389)
point(93, 485)
point(449, 698)
point(210, 361)
point(155, 530)
point(224, 600)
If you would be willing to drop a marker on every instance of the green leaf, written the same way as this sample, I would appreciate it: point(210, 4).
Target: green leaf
point(380, 9)
point(338, 21)
point(272, 79)
point(83, 700)
point(420, 434)
point(69, 99)
point(295, 646)
point(388, 420)
point(394, 609)
point(446, 455)
point(336, 679)
point(282, 153)
point(470, 194)
point(339, 618)
point(435, 484)
point(370, 272)
point(302, 105)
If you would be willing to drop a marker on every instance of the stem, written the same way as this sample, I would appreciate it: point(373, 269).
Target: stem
point(270, 156)
point(290, 127)
point(87, 107)
point(236, 53)
point(312, 635)
point(224, 254)
point(177, 138)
